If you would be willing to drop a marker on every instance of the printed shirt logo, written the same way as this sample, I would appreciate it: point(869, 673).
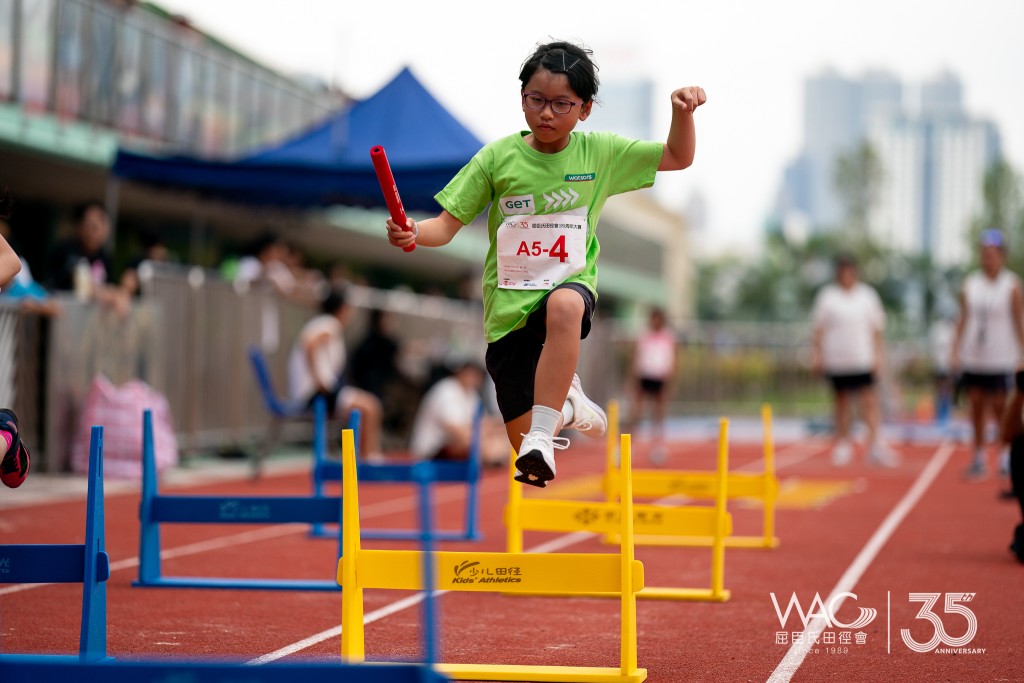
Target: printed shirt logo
point(560, 199)
point(518, 205)
point(580, 177)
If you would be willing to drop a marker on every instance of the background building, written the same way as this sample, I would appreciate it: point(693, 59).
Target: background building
point(933, 153)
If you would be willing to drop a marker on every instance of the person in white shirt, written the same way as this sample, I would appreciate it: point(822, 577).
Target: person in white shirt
point(654, 364)
point(316, 366)
point(443, 429)
point(987, 343)
point(848, 348)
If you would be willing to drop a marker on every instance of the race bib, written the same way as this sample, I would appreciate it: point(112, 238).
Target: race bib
point(539, 252)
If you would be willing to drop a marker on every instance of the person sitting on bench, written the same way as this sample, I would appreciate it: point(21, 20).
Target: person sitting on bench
point(316, 365)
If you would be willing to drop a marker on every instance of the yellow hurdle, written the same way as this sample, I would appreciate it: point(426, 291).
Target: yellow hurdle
point(657, 483)
point(619, 574)
point(603, 517)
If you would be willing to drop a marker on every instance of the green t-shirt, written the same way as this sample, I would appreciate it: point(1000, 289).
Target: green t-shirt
point(522, 184)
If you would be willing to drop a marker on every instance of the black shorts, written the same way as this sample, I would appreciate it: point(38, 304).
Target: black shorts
point(852, 382)
point(986, 382)
point(512, 360)
point(651, 387)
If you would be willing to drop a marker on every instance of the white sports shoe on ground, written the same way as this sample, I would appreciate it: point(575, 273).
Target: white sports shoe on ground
point(587, 417)
point(842, 454)
point(536, 461)
point(881, 455)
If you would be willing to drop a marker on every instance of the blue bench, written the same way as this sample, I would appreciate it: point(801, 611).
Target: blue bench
point(87, 564)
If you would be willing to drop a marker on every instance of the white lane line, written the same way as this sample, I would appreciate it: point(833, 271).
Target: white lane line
point(552, 545)
point(379, 509)
point(848, 581)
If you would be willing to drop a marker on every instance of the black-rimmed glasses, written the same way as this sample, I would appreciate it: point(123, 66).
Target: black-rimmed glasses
point(558, 105)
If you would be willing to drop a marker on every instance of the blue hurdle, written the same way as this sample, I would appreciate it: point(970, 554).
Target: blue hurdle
point(422, 474)
point(35, 669)
point(87, 564)
point(156, 509)
point(326, 470)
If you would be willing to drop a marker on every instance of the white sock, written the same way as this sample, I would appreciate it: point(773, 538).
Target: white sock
point(544, 421)
point(567, 412)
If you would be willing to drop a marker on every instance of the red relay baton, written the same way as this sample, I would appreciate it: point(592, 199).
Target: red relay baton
point(389, 188)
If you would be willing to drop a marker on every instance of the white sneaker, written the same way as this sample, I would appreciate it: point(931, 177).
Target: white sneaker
point(881, 455)
point(587, 417)
point(842, 454)
point(536, 462)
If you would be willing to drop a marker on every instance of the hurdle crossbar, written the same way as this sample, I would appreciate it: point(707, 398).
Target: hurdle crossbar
point(86, 563)
point(657, 521)
point(659, 483)
point(541, 573)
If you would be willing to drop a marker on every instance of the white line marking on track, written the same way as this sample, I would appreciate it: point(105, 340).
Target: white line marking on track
point(848, 581)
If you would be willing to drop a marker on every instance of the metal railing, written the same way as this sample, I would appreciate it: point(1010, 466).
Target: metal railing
point(132, 69)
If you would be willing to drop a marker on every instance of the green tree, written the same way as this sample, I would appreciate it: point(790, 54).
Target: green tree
point(858, 181)
point(1003, 208)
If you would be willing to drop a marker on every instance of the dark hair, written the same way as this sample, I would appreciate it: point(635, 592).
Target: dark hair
point(333, 302)
point(78, 213)
point(845, 260)
point(561, 57)
point(149, 239)
point(5, 204)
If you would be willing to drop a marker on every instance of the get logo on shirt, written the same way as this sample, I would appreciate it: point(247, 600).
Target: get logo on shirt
point(580, 177)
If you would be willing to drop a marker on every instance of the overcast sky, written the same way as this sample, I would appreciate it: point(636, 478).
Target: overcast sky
point(751, 57)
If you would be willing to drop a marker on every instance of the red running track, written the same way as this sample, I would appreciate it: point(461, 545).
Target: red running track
point(916, 529)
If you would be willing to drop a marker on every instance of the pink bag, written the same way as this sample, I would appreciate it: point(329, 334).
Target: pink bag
point(119, 411)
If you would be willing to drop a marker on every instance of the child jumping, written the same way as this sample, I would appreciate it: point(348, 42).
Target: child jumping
point(15, 463)
point(546, 188)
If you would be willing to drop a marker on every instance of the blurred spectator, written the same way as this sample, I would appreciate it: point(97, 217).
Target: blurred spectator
point(940, 340)
point(10, 262)
point(34, 298)
point(375, 368)
point(1013, 434)
point(374, 360)
point(848, 347)
point(443, 429)
point(265, 262)
point(653, 366)
point(309, 282)
point(82, 263)
point(987, 343)
point(15, 462)
point(316, 366)
point(154, 250)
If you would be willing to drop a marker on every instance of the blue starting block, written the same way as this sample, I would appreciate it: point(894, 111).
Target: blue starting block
point(87, 564)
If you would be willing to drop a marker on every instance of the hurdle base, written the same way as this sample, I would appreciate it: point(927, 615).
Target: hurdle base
point(541, 674)
point(647, 593)
point(699, 541)
point(245, 584)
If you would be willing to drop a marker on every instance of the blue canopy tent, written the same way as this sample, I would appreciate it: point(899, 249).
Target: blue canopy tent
point(330, 164)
